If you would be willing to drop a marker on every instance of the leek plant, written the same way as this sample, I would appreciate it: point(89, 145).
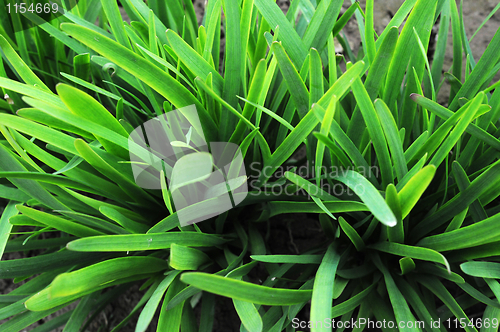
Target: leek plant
point(405, 188)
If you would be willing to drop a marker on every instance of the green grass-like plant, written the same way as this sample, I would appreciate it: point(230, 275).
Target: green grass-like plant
point(405, 189)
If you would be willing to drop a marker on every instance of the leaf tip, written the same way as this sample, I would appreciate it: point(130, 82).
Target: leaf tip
point(415, 96)
point(391, 222)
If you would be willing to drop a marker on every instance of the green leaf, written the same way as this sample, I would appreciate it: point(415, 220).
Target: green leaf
point(346, 144)
point(122, 220)
point(288, 36)
point(491, 314)
point(245, 291)
point(185, 258)
point(97, 204)
point(352, 234)
point(415, 147)
point(481, 269)
point(480, 73)
point(21, 321)
point(191, 168)
point(116, 22)
point(313, 190)
point(422, 19)
point(401, 309)
point(322, 24)
point(213, 14)
point(322, 293)
point(141, 11)
point(268, 112)
point(392, 135)
point(411, 251)
point(97, 89)
point(288, 147)
point(224, 103)
point(9, 162)
point(333, 148)
point(165, 192)
point(81, 312)
point(94, 222)
point(396, 233)
point(82, 280)
point(414, 188)
point(16, 245)
point(477, 211)
point(294, 82)
point(166, 64)
point(436, 287)
point(256, 90)
point(494, 286)
point(58, 223)
point(153, 76)
point(445, 113)
point(93, 158)
point(458, 131)
point(293, 259)
point(150, 308)
point(352, 303)
point(249, 315)
point(457, 43)
point(316, 87)
point(21, 67)
point(369, 195)
point(441, 272)
point(5, 226)
point(43, 301)
point(56, 33)
point(153, 45)
point(48, 262)
point(312, 207)
point(41, 132)
point(151, 241)
point(485, 231)
point(21, 220)
point(47, 178)
point(81, 66)
point(413, 294)
point(342, 85)
point(375, 131)
point(481, 184)
point(427, 65)
point(84, 105)
point(370, 32)
point(233, 63)
point(66, 142)
point(478, 295)
point(406, 265)
point(171, 320)
point(324, 129)
point(13, 194)
point(247, 13)
point(193, 61)
point(51, 121)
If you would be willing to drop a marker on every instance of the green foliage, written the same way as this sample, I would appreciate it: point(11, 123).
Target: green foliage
point(405, 189)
